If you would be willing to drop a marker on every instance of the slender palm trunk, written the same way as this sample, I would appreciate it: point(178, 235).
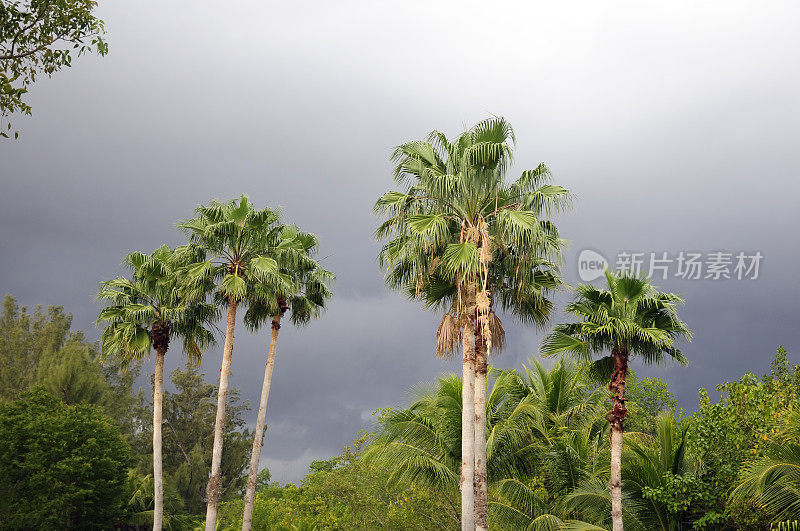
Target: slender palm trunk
point(158, 477)
point(468, 415)
point(616, 417)
point(481, 491)
point(215, 481)
point(258, 439)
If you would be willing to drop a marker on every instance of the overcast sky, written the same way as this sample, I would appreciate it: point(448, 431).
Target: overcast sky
point(674, 123)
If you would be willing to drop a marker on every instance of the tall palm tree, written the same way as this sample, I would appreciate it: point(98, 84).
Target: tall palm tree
point(629, 318)
point(230, 245)
point(294, 255)
point(146, 312)
point(458, 236)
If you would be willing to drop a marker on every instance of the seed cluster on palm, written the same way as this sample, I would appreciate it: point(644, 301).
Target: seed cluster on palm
point(237, 256)
point(144, 313)
point(462, 238)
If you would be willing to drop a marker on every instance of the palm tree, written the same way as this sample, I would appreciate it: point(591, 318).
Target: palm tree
point(630, 318)
point(650, 460)
point(556, 450)
point(422, 443)
point(460, 237)
point(230, 246)
point(773, 481)
point(144, 313)
point(559, 403)
point(294, 256)
point(544, 423)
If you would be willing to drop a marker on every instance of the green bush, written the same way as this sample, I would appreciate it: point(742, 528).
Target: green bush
point(61, 466)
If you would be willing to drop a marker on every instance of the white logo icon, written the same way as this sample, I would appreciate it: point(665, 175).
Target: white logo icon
point(591, 265)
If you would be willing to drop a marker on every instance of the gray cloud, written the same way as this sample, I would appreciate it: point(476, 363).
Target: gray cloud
point(675, 124)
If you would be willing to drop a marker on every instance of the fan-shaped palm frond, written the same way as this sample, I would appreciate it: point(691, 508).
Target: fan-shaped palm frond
point(629, 318)
point(460, 237)
point(151, 299)
point(240, 255)
point(773, 481)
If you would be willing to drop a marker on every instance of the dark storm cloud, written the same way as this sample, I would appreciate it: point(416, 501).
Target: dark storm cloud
point(675, 124)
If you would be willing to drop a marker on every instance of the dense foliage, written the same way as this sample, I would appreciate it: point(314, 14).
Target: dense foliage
point(38, 350)
point(61, 466)
point(345, 492)
point(732, 464)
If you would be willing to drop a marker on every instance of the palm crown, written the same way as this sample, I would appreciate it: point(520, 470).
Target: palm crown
point(310, 287)
point(146, 311)
point(233, 251)
point(459, 221)
point(631, 316)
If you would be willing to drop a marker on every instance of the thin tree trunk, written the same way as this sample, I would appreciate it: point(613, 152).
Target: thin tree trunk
point(481, 491)
point(258, 439)
point(158, 477)
point(468, 415)
point(215, 481)
point(616, 417)
point(615, 484)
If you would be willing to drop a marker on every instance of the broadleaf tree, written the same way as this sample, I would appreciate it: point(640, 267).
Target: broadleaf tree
point(40, 37)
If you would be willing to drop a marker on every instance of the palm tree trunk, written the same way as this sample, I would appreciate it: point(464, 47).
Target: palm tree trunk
point(258, 439)
point(468, 416)
point(481, 491)
point(616, 417)
point(158, 477)
point(215, 481)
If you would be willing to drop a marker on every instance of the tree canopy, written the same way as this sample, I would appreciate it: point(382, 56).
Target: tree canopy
point(61, 466)
point(40, 37)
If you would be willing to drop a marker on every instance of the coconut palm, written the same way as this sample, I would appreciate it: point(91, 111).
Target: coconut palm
point(650, 460)
point(294, 255)
point(457, 218)
point(146, 312)
point(773, 481)
point(558, 450)
point(561, 405)
point(563, 488)
point(231, 244)
point(422, 443)
point(540, 422)
point(628, 319)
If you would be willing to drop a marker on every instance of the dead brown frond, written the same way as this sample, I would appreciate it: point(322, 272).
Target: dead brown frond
point(498, 333)
point(434, 265)
point(448, 337)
